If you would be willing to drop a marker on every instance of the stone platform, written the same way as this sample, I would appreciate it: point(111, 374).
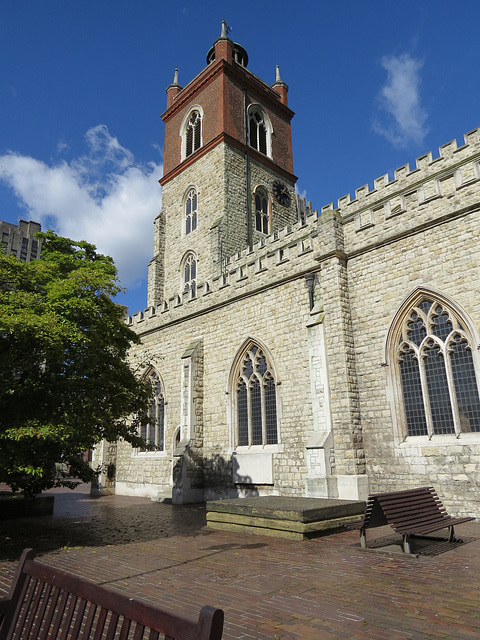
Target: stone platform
point(283, 517)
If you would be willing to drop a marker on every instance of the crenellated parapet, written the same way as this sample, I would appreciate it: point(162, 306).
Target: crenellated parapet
point(284, 254)
point(437, 187)
point(444, 179)
point(451, 158)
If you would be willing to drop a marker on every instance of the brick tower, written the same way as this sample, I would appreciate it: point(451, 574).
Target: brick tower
point(228, 171)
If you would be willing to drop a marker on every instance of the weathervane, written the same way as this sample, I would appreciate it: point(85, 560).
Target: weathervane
point(225, 29)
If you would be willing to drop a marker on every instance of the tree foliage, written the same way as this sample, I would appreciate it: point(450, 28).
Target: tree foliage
point(65, 383)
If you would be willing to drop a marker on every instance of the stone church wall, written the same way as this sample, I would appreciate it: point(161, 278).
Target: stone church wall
point(418, 230)
point(421, 230)
point(276, 317)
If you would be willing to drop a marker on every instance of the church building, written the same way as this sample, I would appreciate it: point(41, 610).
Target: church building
point(297, 352)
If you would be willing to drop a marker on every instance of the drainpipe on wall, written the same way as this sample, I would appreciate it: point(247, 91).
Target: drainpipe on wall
point(247, 180)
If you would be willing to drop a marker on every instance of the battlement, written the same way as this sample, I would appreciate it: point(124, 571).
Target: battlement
point(277, 256)
point(450, 161)
point(376, 214)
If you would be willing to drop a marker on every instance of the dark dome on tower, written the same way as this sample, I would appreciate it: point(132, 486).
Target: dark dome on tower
point(239, 53)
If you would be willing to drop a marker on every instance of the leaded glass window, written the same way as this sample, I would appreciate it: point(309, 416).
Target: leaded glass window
point(191, 211)
point(256, 404)
point(261, 211)
point(190, 274)
point(153, 432)
point(437, 372)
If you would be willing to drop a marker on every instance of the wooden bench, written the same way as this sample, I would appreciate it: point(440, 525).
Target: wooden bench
point(414, 512)
point(47, 603)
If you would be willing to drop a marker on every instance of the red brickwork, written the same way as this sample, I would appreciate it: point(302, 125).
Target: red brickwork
point(219, 91)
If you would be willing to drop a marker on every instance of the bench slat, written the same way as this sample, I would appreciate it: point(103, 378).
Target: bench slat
point(60, 610)
point(100, 626)
point(48, 604)
point(412, 511)
point(69, 617)
point(124, 631)
point(112, 626)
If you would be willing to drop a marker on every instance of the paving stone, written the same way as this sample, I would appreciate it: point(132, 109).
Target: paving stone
point(321, 589)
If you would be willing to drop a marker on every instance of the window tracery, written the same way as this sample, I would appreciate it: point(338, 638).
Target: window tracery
point(261, 210)
point(153, 432)
point(190, 274)
point(255, 399)
point(193, 133)
point(191, 211)
point(437, 375)
point(259, 130)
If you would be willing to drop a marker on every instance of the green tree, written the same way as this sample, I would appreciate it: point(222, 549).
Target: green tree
point(65, 383)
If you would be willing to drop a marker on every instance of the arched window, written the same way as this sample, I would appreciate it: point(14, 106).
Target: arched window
point(261, 210)
point(436, 370)
point(259, 130)
point(255, 399)
point(191, 211)
point(193, 133)
point(153, 433)
point(189, 270)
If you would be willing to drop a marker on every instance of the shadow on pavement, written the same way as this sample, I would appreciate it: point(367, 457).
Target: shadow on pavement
point(80, 521)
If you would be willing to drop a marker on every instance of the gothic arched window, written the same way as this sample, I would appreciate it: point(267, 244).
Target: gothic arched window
point(191, 211)
point(189, 271)
point(153, 432)
point(259, 130)
point(193, 133)
point(261, 210)
point(255, 399)
point(436, 371)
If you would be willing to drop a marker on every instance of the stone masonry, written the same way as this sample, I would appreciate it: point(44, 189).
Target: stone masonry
point(322, 296)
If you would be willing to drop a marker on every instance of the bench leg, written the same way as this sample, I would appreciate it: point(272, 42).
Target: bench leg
point(451, 534)
point(363, 539)
point(406, 544)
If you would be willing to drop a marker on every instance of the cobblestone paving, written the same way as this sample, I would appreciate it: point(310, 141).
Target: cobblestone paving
point(321, 589)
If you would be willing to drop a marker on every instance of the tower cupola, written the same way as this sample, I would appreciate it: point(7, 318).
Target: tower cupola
point(225, 48)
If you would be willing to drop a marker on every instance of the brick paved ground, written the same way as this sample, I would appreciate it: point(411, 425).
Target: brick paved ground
point(325, 588)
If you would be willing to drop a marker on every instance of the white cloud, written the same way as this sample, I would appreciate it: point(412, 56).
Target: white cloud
point(104, 197)
point(404, 120)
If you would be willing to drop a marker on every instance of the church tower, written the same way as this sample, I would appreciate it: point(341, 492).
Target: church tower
point(228, 171)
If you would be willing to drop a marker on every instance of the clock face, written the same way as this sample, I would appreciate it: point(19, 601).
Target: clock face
point(281, 193)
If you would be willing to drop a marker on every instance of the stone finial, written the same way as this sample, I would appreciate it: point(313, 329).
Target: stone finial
point(280, 87)
point(225, 29)
point(173, 90)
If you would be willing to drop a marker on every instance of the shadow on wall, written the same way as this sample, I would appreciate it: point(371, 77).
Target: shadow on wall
point(197, 478)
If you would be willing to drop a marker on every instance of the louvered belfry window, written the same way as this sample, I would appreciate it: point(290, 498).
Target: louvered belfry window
point(193, 133)
point(258, 131)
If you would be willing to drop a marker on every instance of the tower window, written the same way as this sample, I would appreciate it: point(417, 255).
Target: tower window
point(190, 274)
point(191, 211)
point(436, 371)
point(258, 132)
point(193, 133)
point(261, 211)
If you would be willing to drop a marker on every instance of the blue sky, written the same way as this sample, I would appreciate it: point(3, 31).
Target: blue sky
point(82, 86)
